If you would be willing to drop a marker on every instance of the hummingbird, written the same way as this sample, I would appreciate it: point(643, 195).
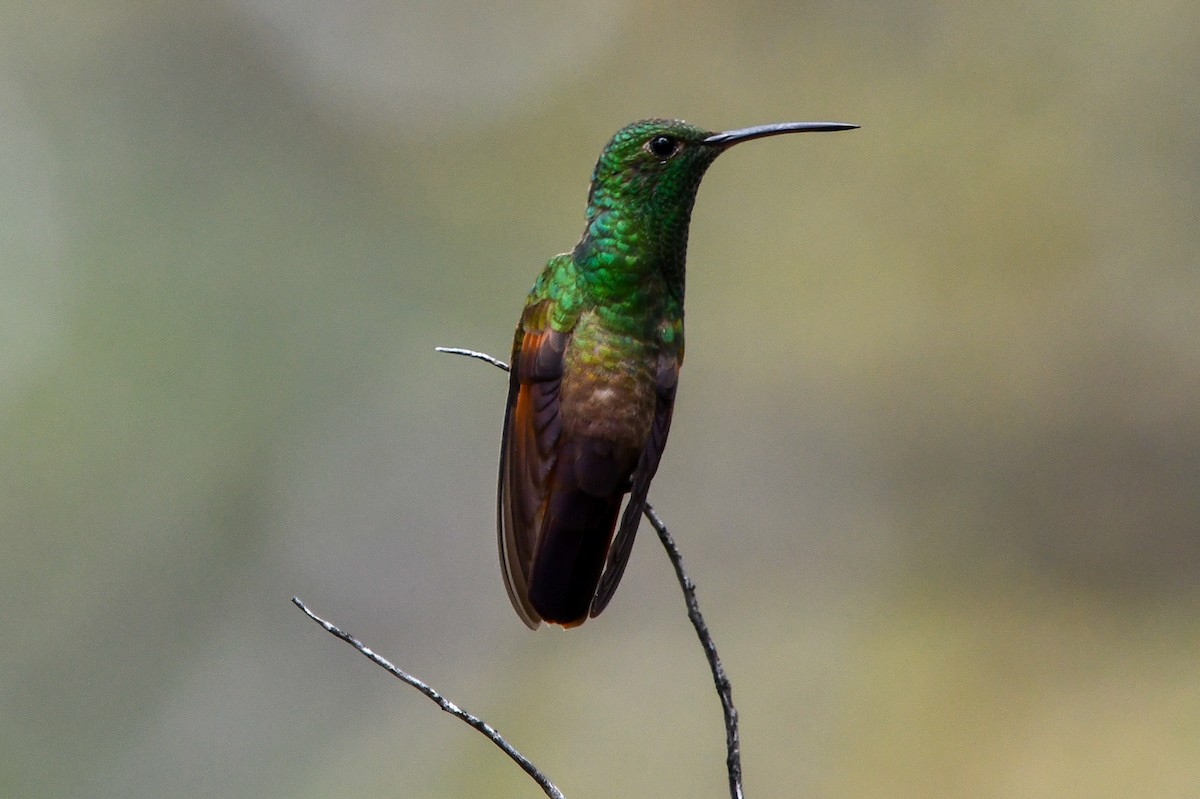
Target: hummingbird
point(595, 363)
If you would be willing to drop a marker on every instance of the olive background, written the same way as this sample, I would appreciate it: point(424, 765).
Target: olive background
point(935, 463)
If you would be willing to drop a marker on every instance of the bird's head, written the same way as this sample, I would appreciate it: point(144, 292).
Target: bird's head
point(655, 165)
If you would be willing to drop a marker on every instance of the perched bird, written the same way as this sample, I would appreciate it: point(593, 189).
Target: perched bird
point(594, 366)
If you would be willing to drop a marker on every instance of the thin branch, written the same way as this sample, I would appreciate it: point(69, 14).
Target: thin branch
point(483, 356)
point(733, 748)
point(445, 704)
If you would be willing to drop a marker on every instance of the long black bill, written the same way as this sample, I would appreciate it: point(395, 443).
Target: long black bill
point(731, 137)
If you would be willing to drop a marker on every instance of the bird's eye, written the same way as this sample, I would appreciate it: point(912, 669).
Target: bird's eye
point(662, 147)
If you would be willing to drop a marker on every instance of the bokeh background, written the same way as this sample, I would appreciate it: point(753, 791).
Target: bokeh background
point(935, 463)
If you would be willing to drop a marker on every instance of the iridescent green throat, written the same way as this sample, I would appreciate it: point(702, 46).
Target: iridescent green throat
point(634, 248)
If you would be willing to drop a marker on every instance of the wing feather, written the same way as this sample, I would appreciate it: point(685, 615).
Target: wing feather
point(532, 428)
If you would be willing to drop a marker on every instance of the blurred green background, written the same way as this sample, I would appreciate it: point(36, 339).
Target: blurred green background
point(935, 463)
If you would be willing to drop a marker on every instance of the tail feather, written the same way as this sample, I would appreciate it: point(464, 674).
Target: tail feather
point(571, 554)
point(590, 479)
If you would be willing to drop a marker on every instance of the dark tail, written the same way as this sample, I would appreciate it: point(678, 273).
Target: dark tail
point(571, 555)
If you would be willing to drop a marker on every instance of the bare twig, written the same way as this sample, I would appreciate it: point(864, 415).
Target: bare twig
point(445, 704)
point(733, 748)
point(483, 356)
